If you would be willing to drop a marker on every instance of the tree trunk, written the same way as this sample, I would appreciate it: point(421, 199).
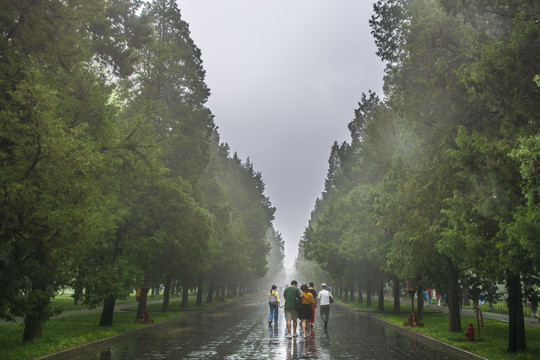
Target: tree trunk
point(360, 299)
point(368, 294)
point(33, 326)
point(516, 324)
point(210, 291)
point(420, 302)
point(352, 293)
point(466, 300)
point(77, 292)
point(142, 305)
point(346, 294)
point(380, 305)
point(166, 294)
point(200, 283)
point(36, 314)
point(107, 313)
point(185, 296)
point(452, 297)
point(221, 293)
point(33, 323)
point(395, 290)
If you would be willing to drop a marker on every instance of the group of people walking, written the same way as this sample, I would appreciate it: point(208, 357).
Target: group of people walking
point(300, 303)
point(429, 294)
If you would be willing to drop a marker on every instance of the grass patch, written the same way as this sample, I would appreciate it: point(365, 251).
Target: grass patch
point(74, 330)
point(491, 343)
point(65, 301)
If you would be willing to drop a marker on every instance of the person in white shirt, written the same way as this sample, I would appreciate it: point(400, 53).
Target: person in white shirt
point(324, 304)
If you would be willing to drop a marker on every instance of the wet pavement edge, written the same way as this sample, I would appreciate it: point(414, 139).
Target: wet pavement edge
point(69, 353)
point(434, 342)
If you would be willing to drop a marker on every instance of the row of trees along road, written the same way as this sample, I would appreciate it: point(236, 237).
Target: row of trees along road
point(440, 182)
point(111, 166)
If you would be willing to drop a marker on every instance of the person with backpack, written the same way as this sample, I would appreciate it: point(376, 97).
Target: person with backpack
point(273, 303)
point(325, 299)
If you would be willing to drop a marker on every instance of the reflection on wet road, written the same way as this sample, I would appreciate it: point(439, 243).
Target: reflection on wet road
point(240, 331)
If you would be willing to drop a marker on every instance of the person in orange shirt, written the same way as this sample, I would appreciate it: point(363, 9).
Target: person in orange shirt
point(305, 312)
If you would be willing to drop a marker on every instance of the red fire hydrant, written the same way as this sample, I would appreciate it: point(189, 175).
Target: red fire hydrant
point(470, 333)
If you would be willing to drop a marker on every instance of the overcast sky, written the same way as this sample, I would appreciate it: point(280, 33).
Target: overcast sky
point(285, 77)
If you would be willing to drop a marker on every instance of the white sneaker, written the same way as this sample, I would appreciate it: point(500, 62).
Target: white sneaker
point(295, 335)
point(288, 336)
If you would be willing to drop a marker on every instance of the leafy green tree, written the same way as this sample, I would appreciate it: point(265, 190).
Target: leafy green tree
point(56, 123)
point(431, 101)
point(168, 88)
point(252, 209)
point(132, 161)
point(524, 229)
point(234, 194)
point(182, 236)
point(500, 77)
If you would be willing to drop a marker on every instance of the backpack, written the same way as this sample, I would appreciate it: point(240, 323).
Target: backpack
point(297, 303)
point(272, 298)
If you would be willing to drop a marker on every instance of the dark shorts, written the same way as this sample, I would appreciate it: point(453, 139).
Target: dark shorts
point(305, 312)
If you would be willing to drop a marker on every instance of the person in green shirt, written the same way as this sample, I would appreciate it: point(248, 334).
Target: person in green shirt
point(290, 294)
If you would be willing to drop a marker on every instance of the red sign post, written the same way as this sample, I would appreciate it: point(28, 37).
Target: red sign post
point(479, 319)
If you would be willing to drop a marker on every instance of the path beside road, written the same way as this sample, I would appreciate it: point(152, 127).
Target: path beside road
point(494, 316)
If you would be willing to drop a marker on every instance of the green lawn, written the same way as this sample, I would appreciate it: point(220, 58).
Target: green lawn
point(491, 343)
point(64, 301)
point(74, 330)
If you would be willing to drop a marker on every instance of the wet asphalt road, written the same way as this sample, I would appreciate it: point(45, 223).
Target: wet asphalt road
point(240, 330)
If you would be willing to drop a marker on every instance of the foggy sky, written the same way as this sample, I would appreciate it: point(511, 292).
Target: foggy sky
point(285, 78)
